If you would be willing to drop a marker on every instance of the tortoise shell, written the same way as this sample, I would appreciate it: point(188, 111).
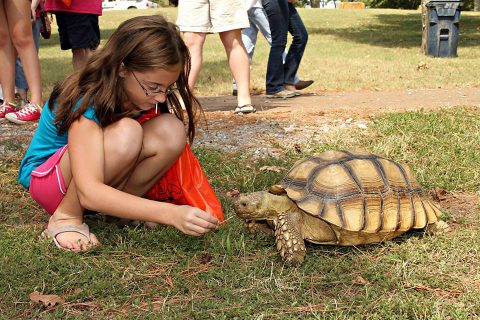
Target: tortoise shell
point(359, 191)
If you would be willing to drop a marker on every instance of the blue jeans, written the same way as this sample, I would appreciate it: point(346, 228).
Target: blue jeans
point(284, 18)
point(20, 80)
point(258, 22)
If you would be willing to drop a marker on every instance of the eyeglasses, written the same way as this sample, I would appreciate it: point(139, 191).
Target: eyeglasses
point(148, 92)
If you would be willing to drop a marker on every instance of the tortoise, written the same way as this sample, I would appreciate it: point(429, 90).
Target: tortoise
point(343, 198)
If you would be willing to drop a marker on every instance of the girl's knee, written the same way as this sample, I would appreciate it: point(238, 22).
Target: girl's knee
point(123, 139)
point(169, 133)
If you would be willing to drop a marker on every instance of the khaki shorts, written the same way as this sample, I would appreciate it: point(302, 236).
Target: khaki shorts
point(209, 16)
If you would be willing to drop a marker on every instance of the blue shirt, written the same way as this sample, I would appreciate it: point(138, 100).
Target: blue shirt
point(45, 142)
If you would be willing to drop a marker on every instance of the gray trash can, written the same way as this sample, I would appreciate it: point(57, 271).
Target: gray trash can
point(443, 27)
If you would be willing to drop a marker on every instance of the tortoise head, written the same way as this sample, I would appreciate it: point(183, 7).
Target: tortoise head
point(261, 205)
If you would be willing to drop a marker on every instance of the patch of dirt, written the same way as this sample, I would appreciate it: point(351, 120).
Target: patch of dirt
point(465, 208)
point(313, 116)
point(280, 123)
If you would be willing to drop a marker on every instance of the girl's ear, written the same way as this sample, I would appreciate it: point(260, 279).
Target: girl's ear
point(122, 71)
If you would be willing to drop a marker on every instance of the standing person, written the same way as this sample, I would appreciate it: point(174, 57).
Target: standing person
point(16, 38)
point(259, 22)
point(21, 84)
point(89, 152)
point(284, 18)
point(77, 27)
point(196, 18)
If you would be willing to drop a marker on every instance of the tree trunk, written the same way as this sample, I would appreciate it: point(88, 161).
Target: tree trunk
point(425, 24)
point(476, 5)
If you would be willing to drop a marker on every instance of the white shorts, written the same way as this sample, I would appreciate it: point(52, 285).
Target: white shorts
point(211, 16)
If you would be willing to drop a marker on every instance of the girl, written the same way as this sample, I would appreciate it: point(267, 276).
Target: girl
point(111, 160)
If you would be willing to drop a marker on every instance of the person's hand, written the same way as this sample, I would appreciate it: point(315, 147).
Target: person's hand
point(193, 221)
point(33, 7)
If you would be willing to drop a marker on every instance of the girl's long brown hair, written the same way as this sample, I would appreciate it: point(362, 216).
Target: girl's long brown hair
point(141, 44)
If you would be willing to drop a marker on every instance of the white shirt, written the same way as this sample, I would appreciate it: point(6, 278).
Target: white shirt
point(253, 4)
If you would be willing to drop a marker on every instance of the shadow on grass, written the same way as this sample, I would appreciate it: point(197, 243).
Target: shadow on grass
point(400, 30)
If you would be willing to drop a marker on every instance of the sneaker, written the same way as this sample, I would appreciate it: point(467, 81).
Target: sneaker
point(248, 108)
point(284, 94)
point(291, 87)
point(234, 92)
point(31, 112)
point(302, 84)
point(5, 109)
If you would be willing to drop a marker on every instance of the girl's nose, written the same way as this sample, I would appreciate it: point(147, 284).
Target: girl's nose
point(160, 97)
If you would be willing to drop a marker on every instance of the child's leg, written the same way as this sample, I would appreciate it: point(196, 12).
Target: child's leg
point(20, 28)
point(238, 61)
point(164, 139)
point(122, 146)
point(7, 57)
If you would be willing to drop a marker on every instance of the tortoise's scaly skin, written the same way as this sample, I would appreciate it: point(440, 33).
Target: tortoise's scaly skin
point(340, 198)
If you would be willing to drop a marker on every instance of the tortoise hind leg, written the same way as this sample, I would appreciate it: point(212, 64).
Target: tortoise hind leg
point(289, 237)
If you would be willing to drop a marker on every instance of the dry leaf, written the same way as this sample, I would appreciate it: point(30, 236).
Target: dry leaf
point(361, 280)
point(297, 147)
point(422, 66)
point(48, 300)
point(439, 194)
point(204, 258)
point(272, 168)
point(234, 193)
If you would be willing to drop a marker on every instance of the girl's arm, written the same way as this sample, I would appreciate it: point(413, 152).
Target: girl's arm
point(86, 150)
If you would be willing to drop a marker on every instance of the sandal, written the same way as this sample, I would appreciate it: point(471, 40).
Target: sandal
point(248, 108)
point(52, 234)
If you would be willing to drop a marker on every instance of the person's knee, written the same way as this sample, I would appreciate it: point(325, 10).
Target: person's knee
point(193, 40)
point(169, 135)
point(4, 37)
point(22, 40)
point(126, 137)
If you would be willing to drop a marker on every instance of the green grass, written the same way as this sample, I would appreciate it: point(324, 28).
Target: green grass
point(347, 50)
point(230, 274)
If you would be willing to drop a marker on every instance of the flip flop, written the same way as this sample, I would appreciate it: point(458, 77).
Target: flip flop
point(248, 108)
point(81, 229)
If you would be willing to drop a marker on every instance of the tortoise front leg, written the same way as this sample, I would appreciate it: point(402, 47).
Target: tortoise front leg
point(289, 237)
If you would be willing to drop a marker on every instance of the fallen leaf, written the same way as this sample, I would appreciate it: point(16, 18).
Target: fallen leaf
point(205, 258)
point(439, 194)
point(234, 193)
point(272, 168)
point(361, 280)
point(48, 300)
point(297, 147)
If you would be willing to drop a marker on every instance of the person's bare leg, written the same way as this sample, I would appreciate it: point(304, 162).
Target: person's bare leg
point(7, 57)
point(194, 42)
point(122, 145)
point(238, 61)
point(164, 140)
point(20, 27)
point(80, 57)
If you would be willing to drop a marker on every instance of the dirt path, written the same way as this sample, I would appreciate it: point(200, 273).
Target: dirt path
point(292, 121)
point(308, 117)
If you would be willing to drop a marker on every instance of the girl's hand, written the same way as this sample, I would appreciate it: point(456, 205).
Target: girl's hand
point(193, 221)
